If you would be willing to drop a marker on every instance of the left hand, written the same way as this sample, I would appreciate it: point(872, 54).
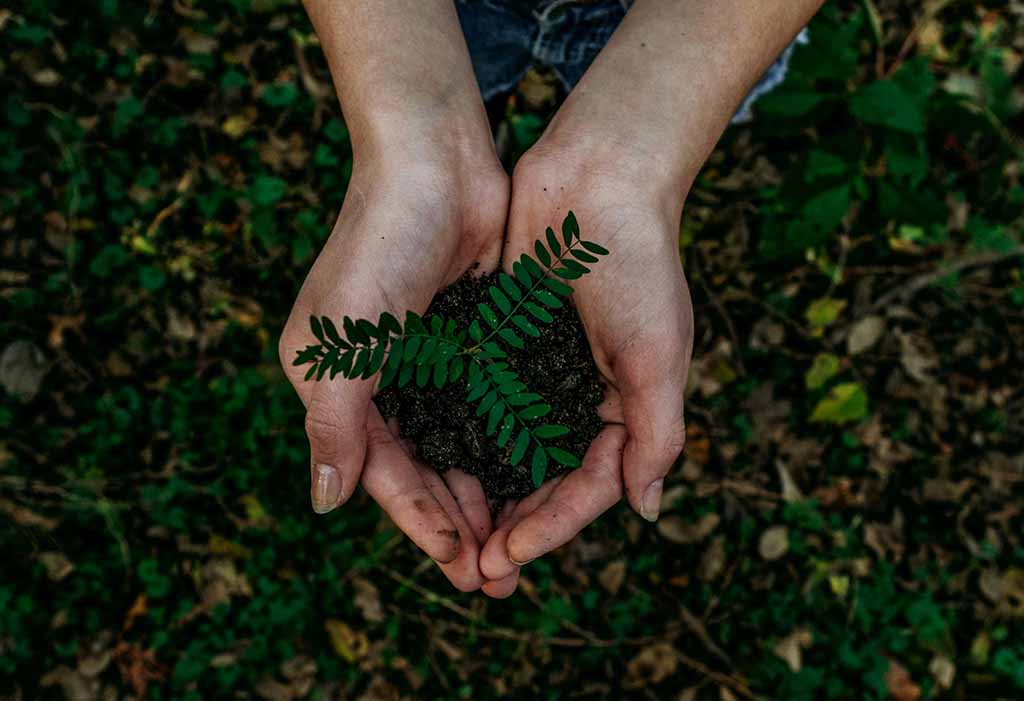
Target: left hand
point(636, 310)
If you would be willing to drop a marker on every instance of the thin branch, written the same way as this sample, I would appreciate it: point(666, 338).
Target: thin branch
point(918, 283)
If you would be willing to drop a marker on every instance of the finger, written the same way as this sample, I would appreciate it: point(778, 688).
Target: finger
point(494, 560)
point(469, 495)
point(582, 496)
point(502, 588)
point(652, 407)
point(464, 571)
point(395, 482)
point(336, 428)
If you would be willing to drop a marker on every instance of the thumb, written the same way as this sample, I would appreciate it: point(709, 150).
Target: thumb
point(336, 427)
point(652, 407)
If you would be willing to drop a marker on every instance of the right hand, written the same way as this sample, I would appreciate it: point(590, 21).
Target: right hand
point(409, 226)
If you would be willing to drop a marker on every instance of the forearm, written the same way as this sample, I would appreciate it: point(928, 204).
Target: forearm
point(670, 78)
point(403, 75)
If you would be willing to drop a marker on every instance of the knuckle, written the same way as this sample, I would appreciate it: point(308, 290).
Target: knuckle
point(378, 436)
point(322, 427)
point(673, 441)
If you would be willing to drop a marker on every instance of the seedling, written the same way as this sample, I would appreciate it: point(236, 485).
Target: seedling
point(435, 350)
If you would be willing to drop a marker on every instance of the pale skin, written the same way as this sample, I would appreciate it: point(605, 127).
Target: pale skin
point(428, 198)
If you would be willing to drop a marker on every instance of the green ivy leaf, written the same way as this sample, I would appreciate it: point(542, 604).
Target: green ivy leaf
point(824, 367)
point(845, 403)
point(887, 104)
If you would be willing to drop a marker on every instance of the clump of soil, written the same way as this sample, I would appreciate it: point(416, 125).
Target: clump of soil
point(445, 429)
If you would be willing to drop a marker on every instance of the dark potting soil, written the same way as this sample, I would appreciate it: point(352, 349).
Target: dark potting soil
point(445, 429)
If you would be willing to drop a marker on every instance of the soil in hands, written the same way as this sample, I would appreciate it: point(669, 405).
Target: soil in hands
point(447, 433)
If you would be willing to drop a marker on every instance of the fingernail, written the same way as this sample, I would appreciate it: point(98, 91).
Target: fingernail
point(650, 505)
point(521, 564)
point(326, 492)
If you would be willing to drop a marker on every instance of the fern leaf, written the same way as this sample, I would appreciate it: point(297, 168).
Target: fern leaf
point(316, 328)
point(525, 326)
point(512, 338)
point(539, 465)
point(520, 446)
point(570, 228)
point(500, 299)
point(553, 245)
point(510, 287)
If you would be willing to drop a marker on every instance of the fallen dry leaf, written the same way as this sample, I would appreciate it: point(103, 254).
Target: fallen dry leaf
point(350, 644)
point(22, 368)
point(901, 687)
point(675, 530)
point(612, 576)
point(367, 600)
point(774, 543)
point(864, 334)
point(654, 664)
point(790, 648)
point(57, 565)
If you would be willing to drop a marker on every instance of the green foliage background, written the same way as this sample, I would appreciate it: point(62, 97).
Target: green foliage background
point(852, 486)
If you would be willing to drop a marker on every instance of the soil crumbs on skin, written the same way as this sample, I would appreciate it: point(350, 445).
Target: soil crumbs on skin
point(446, 431)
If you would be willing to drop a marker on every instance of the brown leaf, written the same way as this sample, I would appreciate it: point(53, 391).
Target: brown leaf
point(612, 576)
point(864, 334)
point(944, 671)
point(790, 492)
point(24, 516)
point(654, 664)
point(22, 368)
point(790, 648)
point(901, 687)
point(367, 600)
point(57, 565)
point(713, 562)
point(774, 543)
point(675, 530)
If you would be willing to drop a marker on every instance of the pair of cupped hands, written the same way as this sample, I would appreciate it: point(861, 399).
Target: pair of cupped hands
point(417, 218)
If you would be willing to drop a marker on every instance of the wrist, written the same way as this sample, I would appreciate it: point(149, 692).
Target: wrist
point(601, 157)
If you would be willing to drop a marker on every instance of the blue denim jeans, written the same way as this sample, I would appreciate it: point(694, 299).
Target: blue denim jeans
point(506, 37)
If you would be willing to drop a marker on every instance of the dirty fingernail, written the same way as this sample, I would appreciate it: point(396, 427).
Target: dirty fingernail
point(650, 505)
point(326, 491)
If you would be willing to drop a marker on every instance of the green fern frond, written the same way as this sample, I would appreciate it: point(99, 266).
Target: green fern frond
point(436, 352)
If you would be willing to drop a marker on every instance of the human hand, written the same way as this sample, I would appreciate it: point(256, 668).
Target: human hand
point(638, 318)
point(409, 226)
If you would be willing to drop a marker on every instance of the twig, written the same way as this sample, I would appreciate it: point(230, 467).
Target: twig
point(924, 280)
point(722, 311)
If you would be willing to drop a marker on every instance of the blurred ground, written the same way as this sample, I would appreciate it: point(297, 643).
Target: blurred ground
point(846, 523)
